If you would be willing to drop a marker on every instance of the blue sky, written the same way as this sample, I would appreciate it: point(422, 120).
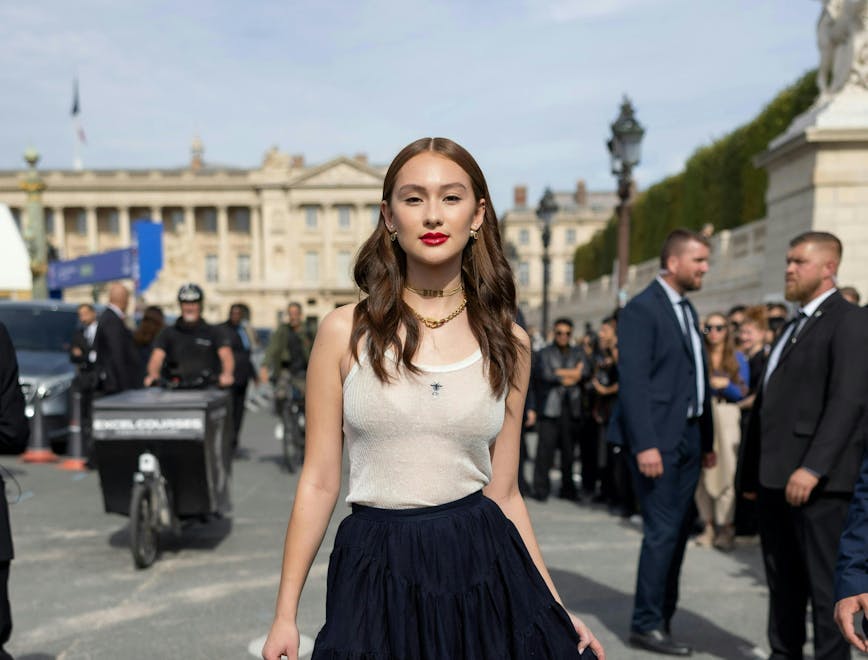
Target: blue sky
point(529, 87)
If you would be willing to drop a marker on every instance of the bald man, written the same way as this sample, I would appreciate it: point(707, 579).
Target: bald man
point(116, 356)
point(804, 445)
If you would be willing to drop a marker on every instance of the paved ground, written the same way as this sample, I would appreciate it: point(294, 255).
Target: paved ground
point(76, 594)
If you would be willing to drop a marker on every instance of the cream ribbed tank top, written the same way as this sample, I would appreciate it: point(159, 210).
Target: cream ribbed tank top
point(422, 439)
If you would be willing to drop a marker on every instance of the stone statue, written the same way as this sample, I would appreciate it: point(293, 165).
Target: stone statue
point(274, 159)
point(842, 37)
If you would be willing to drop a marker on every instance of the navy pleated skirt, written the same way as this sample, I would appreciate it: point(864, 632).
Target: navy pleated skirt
point(449, 582)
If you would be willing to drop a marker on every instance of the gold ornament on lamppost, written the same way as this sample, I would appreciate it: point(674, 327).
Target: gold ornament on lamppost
point(33, 229)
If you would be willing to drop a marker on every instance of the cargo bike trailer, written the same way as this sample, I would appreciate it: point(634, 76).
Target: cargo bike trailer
point(164, 459)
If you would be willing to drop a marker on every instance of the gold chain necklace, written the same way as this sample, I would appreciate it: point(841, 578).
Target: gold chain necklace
point(434, 293)
point(433, 324)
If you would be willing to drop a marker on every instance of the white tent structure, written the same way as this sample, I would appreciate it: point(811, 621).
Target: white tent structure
point(16, 281)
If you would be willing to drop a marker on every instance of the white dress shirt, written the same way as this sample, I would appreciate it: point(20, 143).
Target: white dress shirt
point(696, 343)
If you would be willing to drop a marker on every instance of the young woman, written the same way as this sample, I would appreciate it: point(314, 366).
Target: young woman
point(729, 378)
point(426, 378)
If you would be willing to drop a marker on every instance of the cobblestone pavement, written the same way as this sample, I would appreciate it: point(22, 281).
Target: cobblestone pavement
point(76, 595)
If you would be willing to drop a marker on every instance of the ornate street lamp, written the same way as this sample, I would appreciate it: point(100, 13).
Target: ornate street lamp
point(625, 150)
point(546, 210)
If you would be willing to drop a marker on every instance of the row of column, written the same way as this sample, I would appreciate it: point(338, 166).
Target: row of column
point(256, 252)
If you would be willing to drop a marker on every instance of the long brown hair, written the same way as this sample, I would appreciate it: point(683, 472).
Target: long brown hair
point(381, 268)
point(728, 361)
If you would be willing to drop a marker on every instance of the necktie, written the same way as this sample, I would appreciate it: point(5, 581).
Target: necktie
point(798, 325)
point(688, 320)
point(693, 408)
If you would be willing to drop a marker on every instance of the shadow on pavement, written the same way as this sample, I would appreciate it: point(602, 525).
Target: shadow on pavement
point(36, 656)
point(613, 609)
point(195, 535)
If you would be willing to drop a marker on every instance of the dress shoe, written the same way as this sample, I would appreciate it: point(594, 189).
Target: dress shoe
point(657, 641)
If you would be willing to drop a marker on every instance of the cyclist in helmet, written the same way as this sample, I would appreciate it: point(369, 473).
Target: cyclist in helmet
point(191, 350)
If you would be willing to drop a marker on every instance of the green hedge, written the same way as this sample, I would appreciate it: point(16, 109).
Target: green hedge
point(719, 185)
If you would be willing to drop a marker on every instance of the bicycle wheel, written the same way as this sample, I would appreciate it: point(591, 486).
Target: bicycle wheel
point(143, 526)
point(291, 455)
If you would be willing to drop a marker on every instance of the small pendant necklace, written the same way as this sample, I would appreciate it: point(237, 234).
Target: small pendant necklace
point(433, 324)
point(434, 293)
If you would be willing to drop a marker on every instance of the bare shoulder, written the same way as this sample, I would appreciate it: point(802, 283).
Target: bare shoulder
point(336, 327)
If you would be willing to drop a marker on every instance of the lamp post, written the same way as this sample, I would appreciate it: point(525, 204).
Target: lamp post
point(546, 210)
point(625, 152)
point(34, 226)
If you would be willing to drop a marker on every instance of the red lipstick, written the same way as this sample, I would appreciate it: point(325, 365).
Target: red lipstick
point(434, 238)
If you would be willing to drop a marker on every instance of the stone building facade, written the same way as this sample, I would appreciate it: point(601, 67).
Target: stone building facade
point(283, 231)
point(580, 214)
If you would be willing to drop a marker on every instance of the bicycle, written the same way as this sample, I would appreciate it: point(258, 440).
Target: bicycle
point(164, 459)
point(290, 429)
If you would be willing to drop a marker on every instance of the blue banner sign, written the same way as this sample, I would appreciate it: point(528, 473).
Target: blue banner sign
point(93, 268)
point(149, 238)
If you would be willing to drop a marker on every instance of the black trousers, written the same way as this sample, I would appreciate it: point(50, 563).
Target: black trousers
point(589, 452)
point(239, 394)
point(800, 546)
point(555, 433)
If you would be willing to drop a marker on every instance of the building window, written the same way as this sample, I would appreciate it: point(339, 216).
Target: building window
point(524, 236)
point(175, 220)
point(243, 267)
point(524, 273)
point(212, 272)
point(571, 236)
point(311, 266)
point(311, 219)
point(206, 221)
point(375, 215)
point(114, 225)
point(81, 222)
point(568, 273)
point(49, 221)
point(343, 267)
point(343, 217)
point(239, 220)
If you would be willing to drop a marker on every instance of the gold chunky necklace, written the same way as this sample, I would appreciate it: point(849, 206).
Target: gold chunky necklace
point(433, 324)
point(434, 293)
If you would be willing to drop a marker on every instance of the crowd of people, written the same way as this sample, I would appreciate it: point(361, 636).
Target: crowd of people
point(746, 422)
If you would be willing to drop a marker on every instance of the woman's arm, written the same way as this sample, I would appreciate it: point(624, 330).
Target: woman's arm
point(320, 480)
point(503, 488)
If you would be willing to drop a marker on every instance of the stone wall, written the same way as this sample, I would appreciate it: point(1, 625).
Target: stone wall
point(736, 276)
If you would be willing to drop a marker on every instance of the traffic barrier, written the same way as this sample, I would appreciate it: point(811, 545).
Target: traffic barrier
point(38, 448)
point(76, 452)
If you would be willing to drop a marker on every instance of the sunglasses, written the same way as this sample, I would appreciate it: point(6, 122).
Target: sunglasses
point(717, 328)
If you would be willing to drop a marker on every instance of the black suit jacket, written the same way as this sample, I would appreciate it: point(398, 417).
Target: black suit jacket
point(812, 411)
point(657, 373)
point(14, 429)
point(117, 358)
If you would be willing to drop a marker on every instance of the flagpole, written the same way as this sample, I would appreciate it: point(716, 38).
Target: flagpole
point(76, 128)
point(76, 149)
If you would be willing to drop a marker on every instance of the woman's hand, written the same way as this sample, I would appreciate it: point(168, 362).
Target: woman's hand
point(719, 382)
point(586, 637)
point(282, 640)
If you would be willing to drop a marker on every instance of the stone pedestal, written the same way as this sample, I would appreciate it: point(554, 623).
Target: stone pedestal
point(818, 180)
